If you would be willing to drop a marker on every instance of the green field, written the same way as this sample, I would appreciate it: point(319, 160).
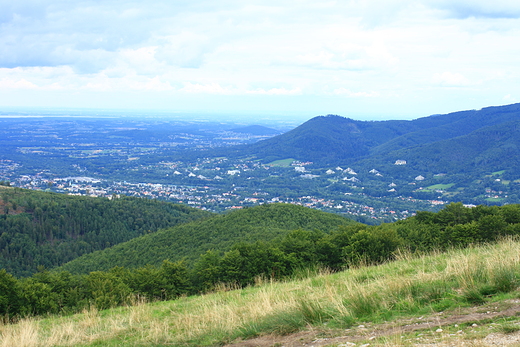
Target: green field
point(282, 162)
point(439, 187)
point(495, 199)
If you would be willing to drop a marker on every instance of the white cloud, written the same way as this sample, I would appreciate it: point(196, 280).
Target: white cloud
point(16, 84)
point(215, 88)
point(212, 88)
point(275, 91)
point(186, 49)
point(327, 52)
point(450, 79)
point(351, 94)
point(479, 8)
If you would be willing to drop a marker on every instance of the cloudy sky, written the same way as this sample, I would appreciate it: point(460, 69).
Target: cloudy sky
point(364, 59)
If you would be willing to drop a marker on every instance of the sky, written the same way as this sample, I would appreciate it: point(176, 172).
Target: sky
point(363, 59)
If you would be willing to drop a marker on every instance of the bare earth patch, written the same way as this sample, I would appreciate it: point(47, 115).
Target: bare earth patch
point(368, 333)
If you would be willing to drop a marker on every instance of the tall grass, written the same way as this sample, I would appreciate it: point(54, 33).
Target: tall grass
point(410, 285)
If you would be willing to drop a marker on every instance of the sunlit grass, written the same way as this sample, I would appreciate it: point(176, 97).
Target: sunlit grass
point(409, 286)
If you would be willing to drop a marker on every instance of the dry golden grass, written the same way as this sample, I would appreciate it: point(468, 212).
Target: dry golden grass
point(216, 317)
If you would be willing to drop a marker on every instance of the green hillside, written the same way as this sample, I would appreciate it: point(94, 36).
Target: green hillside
point(48, 229)
point(246, 263)
point(219, 233)
point(333, 139)
point(450, 126)
point(464, 297)
point(486, 149)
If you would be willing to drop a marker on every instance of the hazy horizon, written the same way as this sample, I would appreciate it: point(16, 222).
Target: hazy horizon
point(261, 118)
point(367, 60)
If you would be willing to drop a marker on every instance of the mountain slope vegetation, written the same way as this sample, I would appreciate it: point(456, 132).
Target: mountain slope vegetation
point(334, 139)
point(450, 126)
point(41, 229)
point(219, 233)
point(416, 300)
point(483, 150)
point(245, 263)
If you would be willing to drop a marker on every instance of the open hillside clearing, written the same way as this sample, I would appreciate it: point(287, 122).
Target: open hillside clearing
point(460, 298)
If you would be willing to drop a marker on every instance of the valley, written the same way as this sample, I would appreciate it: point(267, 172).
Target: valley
point(110, 218)
point(223, 166)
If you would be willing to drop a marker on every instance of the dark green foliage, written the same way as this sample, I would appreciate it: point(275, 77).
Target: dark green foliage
point(176, 279)
point(222, 232)
point(280, 257)
point(471, 154)
point(106, 290)
point(63, 293)
point(206, 271)
point(166, 282)
point(458, 226)
point(46, 229)
point(243, 264)
point(372, 246)
point(10, 299)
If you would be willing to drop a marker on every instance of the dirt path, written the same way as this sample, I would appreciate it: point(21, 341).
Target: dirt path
point(352, 337)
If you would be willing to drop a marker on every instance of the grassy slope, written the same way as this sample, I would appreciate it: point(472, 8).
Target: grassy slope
point(218, 233)
point(324, 303)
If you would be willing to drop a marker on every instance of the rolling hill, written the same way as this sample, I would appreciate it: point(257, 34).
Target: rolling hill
point(41, 229)
point(337, 140)
point(189, 241)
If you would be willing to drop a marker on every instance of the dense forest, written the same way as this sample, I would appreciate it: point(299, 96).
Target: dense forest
point(40, 229)
point(221, 232)
point(283, 256)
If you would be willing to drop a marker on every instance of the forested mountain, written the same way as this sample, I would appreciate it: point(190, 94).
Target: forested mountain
point(49, 229)
point(496, 146)
point(334, 139)
point(451, 126)
point(220, 233)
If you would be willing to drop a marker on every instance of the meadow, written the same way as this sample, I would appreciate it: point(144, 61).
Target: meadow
point(331, 309)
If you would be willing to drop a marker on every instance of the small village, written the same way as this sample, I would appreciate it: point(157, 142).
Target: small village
point(217, 185)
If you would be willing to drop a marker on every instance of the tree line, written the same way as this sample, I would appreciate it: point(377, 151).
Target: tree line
point(348, 245)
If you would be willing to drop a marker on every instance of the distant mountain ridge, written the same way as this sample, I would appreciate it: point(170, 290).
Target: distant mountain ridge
point(495, 146)
point(334, 139)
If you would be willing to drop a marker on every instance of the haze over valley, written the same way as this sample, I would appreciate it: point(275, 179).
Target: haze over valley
point(369, 171)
